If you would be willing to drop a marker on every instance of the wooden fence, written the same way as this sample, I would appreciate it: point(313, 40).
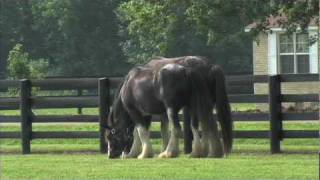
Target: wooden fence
point(26, 103)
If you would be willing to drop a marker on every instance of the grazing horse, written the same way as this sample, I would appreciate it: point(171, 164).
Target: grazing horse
point(164, 87)
point(215, 80)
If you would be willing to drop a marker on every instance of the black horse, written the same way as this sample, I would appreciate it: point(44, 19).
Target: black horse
point(164, 86)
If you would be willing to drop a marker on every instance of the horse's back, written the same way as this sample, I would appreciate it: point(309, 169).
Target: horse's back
point(193, 62)
point(139, 92)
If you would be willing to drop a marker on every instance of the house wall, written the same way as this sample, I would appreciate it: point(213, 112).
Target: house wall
point(260, 55)
point(260, 67)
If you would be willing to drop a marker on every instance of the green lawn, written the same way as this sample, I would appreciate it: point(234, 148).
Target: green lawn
point(96, 166)
point(80, 159)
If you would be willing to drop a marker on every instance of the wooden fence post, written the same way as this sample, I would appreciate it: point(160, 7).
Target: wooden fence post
point(104, 104)
point(275, 113)
point(79, 93)
point(26, 115)
point(187, 131)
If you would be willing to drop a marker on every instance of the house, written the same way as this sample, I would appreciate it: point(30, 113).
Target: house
point(275, 52)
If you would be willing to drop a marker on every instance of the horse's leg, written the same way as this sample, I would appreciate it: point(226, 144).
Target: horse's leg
point(196, 144)
point(142, 125)
point(164, 131)
point(144, 135)
point(172, 149)
point(136, 146)
point(204, 137)
point(215, 145)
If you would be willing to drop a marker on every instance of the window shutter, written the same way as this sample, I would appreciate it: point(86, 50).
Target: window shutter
point(313, 54)
point(272, 53)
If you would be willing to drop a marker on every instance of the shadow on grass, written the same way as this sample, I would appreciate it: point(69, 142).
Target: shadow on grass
point(244, 152)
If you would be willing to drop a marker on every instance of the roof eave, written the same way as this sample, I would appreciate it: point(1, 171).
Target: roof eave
point(278, 29)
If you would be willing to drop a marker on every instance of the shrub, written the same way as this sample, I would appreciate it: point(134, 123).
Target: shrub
point(22, 66)
point(18, 61)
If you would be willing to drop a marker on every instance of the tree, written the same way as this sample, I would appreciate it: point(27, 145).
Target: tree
point(18, 63)
point(78, 37)
point(22, 66)
point(81, 36)
point(298, 15)
point(214, 29)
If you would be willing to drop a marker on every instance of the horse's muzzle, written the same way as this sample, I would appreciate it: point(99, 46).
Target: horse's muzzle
point(114, 155)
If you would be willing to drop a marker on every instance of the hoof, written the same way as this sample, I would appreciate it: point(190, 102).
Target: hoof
point(197, 152)
point(215, 155)
point(144, 156)
point(168, 154)
point(196, 155)
point(141, 156)
point(124, 156)
point(127, 156)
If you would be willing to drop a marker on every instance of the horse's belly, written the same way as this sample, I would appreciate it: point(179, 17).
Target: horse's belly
point(151, 106)
point(148, 104)
point(145, 97)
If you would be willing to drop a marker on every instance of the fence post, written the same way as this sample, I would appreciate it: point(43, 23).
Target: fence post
point(187, 131)
point(26, 115)
point(275, 113)
point(103, 92)
point(79, 93)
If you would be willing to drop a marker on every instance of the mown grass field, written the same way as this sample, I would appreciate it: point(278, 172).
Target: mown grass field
point(80, 159)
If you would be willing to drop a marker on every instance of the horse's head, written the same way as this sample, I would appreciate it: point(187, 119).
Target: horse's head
point(118, 132)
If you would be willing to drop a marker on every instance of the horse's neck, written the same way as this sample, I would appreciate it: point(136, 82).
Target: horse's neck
point(122, 113)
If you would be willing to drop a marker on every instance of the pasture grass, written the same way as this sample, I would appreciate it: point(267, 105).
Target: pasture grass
point(80, 159)
point(96, 166)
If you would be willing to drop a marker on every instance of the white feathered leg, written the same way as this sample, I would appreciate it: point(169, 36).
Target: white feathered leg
point(215, 144)
point(172, 149)
point(136, 146)
point(144, 135)
point(165, 132)
point(196, 144)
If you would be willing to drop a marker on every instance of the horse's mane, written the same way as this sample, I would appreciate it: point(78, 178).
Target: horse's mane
point(117, 102)
point(118, 108)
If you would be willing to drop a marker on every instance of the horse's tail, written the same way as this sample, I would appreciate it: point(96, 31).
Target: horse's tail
point(200, 105)
point(218, 85)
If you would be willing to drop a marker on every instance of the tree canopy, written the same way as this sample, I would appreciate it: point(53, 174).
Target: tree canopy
point(78, 37)
point(214, 29)
point(105, 37)
point(298, 15)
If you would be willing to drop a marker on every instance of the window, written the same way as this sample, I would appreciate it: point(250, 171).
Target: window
point(294, 53)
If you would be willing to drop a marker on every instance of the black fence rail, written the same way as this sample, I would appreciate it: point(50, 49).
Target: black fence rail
point(26, 103)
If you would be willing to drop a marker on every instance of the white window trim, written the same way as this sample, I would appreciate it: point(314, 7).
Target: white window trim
point(313, 54)
point(294, 53)
point(273, 45)
point(272, 54)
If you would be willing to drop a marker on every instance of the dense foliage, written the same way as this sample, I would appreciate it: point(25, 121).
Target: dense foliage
point(298, 14)
point(100, 37)
point(20, 65)
point(78, 37)
point(214, 29)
